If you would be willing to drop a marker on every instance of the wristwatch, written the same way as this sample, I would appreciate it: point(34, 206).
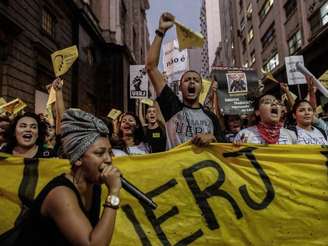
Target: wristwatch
point(112, 201)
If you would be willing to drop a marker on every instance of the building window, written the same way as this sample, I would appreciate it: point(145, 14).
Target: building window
point(241, 5)
point(242, 24)
point(265, 9)
point(250, 35)
point(324, 14)
point(249, 11)
point(48, 23)
point(244, 45)
point(253, 59)
point(295, 42)
point(290, 7)
point(268, 36)
point(319, 19)
point(135, 41)
point(123, 18)
point(272, 63)
point(3, 51)
point(90, 56)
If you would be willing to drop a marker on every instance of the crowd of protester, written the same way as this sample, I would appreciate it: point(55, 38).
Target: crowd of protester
point(274, 121)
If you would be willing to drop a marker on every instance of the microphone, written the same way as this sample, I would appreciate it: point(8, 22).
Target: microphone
point(134, 191)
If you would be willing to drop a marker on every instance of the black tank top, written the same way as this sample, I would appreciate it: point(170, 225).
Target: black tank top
point(40, 230)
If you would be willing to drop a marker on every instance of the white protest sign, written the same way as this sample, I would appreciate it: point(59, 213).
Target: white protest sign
point(138, 81)
point(293, 75)
point(174, 61)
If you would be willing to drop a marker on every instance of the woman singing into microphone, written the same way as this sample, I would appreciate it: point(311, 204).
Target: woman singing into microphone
point(66, 212)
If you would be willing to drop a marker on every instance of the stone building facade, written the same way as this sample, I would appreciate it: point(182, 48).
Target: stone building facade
point(110, 35)
point(261, 33)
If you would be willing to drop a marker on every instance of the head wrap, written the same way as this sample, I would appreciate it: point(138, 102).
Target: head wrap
point(79, 130)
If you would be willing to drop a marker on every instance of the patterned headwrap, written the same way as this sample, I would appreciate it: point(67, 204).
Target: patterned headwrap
point(79, 130)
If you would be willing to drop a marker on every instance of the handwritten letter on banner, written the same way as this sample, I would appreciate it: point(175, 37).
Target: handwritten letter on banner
point(220, 195)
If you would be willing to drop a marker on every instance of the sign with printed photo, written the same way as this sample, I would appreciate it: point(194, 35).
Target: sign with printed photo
point(237, 82)
point(138, 81)
point(234, 87)
point(294, 76)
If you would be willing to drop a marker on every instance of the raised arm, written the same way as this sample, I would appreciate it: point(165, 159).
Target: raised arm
point(57, 84)
point(141, 113)
point(156, 77)
point(311, 91)
point(290, 100)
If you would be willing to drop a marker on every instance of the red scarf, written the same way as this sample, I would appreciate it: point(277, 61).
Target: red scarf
point(270, 133)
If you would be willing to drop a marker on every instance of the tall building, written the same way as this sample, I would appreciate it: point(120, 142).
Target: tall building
point(263, 32)
point(211, 30)
point(195, 62)
point(225, 55)
point(110, 35)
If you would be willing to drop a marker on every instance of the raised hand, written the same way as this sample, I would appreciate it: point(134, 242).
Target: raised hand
point(166, 22)
point(111, 176)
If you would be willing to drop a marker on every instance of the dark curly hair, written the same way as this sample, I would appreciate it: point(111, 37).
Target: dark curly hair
point(10, 132)
point(139, 135)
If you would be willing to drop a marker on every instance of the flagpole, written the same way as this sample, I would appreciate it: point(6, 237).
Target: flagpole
point(299, 91)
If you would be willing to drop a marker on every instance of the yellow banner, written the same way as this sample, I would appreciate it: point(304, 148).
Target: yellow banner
point(220, 195)
point(63, 59)
point(187, 38)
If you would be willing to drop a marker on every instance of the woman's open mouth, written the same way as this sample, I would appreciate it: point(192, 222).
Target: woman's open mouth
point(274, 111)
point(27, 136)
point(191, 90)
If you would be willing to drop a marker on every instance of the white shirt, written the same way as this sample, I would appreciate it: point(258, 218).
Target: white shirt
point(253, 136)
point(314, 136)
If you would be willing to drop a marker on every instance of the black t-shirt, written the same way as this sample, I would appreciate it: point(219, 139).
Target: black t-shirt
point(156, 138)
point(183, 122)
point(40, 230)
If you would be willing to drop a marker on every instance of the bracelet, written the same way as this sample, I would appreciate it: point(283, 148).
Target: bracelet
point(159, 33)
point(107, 205)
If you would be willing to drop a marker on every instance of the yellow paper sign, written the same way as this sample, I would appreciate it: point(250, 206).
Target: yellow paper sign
point(206, 88)
point(147, 101)
point(187, 38)
point(14, 106)
point(2, 101)
point(324, 79)
point(269, 75)
point(62, 60)
point(114, 113)
point(218, 195)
